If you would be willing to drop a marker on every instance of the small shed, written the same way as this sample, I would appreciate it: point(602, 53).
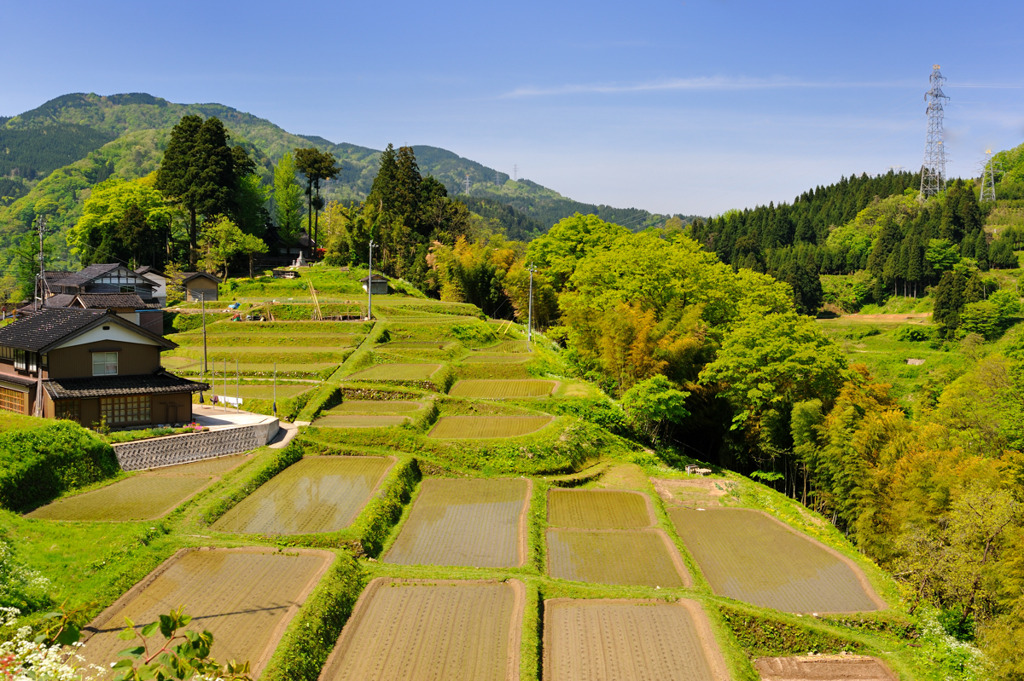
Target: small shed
point(199, 286)
point(377, 284)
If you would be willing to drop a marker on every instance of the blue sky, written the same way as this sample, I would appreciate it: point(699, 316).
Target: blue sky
point(677, 107)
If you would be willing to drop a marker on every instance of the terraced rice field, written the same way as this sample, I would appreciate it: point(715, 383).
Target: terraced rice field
point(245, 597)
point(510, 346)
point(750, 556)
point(431, 630)
point(485, 358)
point(629, 640)
point(473, 522)
point(813, 668)
point(396, 372)
point(502, 389)
point(376, 407)
point(598, 509)
point(480, 427)
point(360, 420)
point(315, 494)
point(141, 497)
point(638, 558)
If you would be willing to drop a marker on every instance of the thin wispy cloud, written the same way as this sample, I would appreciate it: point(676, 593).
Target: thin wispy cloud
point(703, 83)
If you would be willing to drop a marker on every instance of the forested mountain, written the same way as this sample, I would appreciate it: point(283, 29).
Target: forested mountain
point(51, 156)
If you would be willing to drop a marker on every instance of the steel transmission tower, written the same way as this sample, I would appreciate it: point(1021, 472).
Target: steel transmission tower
point(933, 170)
point(988, 179)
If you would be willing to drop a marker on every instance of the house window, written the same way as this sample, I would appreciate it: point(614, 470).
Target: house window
point(13, 400)
point(104, 364)
point(128, 410)
point(67, 409)
point(25, 360)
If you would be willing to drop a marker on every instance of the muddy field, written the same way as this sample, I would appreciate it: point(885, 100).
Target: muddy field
point(315, 494)
point(636, 558)
point(360, 421)
point(470, 522)
point(395, 372)
point(629, 640)
point(598, 509)
point(502, 389)
point(144, 496)
point(749, 556)
point(429, 630)
point(480, 427)
point(245, 597)
point(823, 668)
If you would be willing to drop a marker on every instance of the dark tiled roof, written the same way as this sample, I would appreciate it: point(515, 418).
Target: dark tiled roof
point(59, 300)
point(49, 327)
point(189, 276)
point(149, 269)
point(87, 274)
point(57, 275)
point(109, 300)
point(376, 278)
point(161, 383)
point(46, 327)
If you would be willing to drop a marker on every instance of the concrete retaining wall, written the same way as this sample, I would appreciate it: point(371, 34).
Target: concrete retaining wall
point(178, 449)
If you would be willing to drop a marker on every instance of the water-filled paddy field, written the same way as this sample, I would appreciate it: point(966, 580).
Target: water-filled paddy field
point(396, 372)
point(431, 630)
point(471, 427)
point(472, 522)
point(315, 494)
point(336, 420)
point(749, 556)
point(144, 496)
point(245, 597)
point(637, 558)
point(629, 640)
point(502, 389)
point(598, 509)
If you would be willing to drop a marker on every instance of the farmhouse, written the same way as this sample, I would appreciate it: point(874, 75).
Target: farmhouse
point(100, 278)
point(159, 279)
point(90, 365)
point(377, 284)
point(199, 286)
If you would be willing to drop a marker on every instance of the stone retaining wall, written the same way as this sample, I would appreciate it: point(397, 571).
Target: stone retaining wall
point(178, 449)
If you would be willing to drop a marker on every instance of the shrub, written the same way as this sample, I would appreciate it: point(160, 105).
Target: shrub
point(39, 464)
point(913, 334)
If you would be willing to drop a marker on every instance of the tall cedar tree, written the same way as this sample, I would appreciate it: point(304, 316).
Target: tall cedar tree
point(316, 165)
point(201, 172)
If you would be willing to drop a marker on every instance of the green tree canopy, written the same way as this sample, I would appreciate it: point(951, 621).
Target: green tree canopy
point(123, 221)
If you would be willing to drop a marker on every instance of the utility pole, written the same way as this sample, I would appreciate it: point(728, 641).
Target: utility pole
point(202, 299)
point(933, 170)
point(369, 287)
point(41, 282)
point(529, 324)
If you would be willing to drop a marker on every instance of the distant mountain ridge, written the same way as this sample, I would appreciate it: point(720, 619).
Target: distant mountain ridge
point(51, 156)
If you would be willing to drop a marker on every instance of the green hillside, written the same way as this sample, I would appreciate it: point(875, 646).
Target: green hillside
point(52, 155)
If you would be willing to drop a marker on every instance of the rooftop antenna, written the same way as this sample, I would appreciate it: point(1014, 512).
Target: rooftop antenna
point(988, 179)
point(933, 170)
